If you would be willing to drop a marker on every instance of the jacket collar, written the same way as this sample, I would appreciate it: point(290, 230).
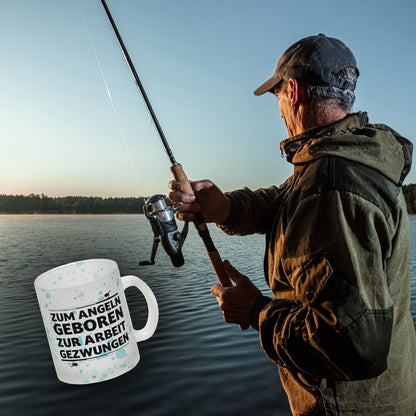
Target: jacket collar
point(352, 121)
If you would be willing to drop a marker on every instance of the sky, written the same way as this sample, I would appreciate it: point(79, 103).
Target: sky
point(73, 121)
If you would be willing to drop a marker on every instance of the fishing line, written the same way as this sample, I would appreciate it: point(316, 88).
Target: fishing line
point(120, 127)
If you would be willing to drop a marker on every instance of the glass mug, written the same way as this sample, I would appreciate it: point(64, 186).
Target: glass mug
point(87, 320)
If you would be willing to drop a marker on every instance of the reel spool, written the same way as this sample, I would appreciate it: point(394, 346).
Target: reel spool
point(165, 230)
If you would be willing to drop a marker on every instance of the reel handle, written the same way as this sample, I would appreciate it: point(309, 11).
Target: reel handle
point(180, 176)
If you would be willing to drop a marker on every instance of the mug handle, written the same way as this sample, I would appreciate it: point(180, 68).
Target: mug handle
point(153, 310)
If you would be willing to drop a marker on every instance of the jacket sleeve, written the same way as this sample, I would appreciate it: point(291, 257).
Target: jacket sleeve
point(337, 320)
point(250, 210)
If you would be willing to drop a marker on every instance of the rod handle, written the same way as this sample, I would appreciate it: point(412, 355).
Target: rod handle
point(180, 176)
point(218, 267)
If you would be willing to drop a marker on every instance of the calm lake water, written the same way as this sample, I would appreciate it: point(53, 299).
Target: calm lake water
point(195, 364)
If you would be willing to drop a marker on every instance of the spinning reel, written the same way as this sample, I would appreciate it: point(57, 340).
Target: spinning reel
point(165, 230)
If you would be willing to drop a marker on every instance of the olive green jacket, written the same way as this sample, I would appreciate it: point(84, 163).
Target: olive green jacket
point(337, 261)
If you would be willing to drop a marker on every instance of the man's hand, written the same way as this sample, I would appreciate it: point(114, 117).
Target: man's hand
point(208, 200)
point(236, 301)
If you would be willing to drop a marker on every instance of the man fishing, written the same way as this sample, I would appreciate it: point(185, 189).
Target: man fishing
point(337, 241)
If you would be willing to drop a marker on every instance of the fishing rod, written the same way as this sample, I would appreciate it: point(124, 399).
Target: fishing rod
point(179, 175)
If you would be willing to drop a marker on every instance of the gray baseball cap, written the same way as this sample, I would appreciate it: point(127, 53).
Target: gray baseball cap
point(314, 60)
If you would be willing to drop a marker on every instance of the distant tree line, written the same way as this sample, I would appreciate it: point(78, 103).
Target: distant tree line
point(33, 204)
point(410, 197)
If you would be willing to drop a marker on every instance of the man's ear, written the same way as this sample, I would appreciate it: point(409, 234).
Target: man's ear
point(293, 92)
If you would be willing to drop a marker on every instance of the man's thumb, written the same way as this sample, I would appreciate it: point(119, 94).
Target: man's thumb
point(233, 273)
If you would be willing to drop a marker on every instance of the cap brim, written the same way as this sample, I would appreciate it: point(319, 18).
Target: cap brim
point(268, 85)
